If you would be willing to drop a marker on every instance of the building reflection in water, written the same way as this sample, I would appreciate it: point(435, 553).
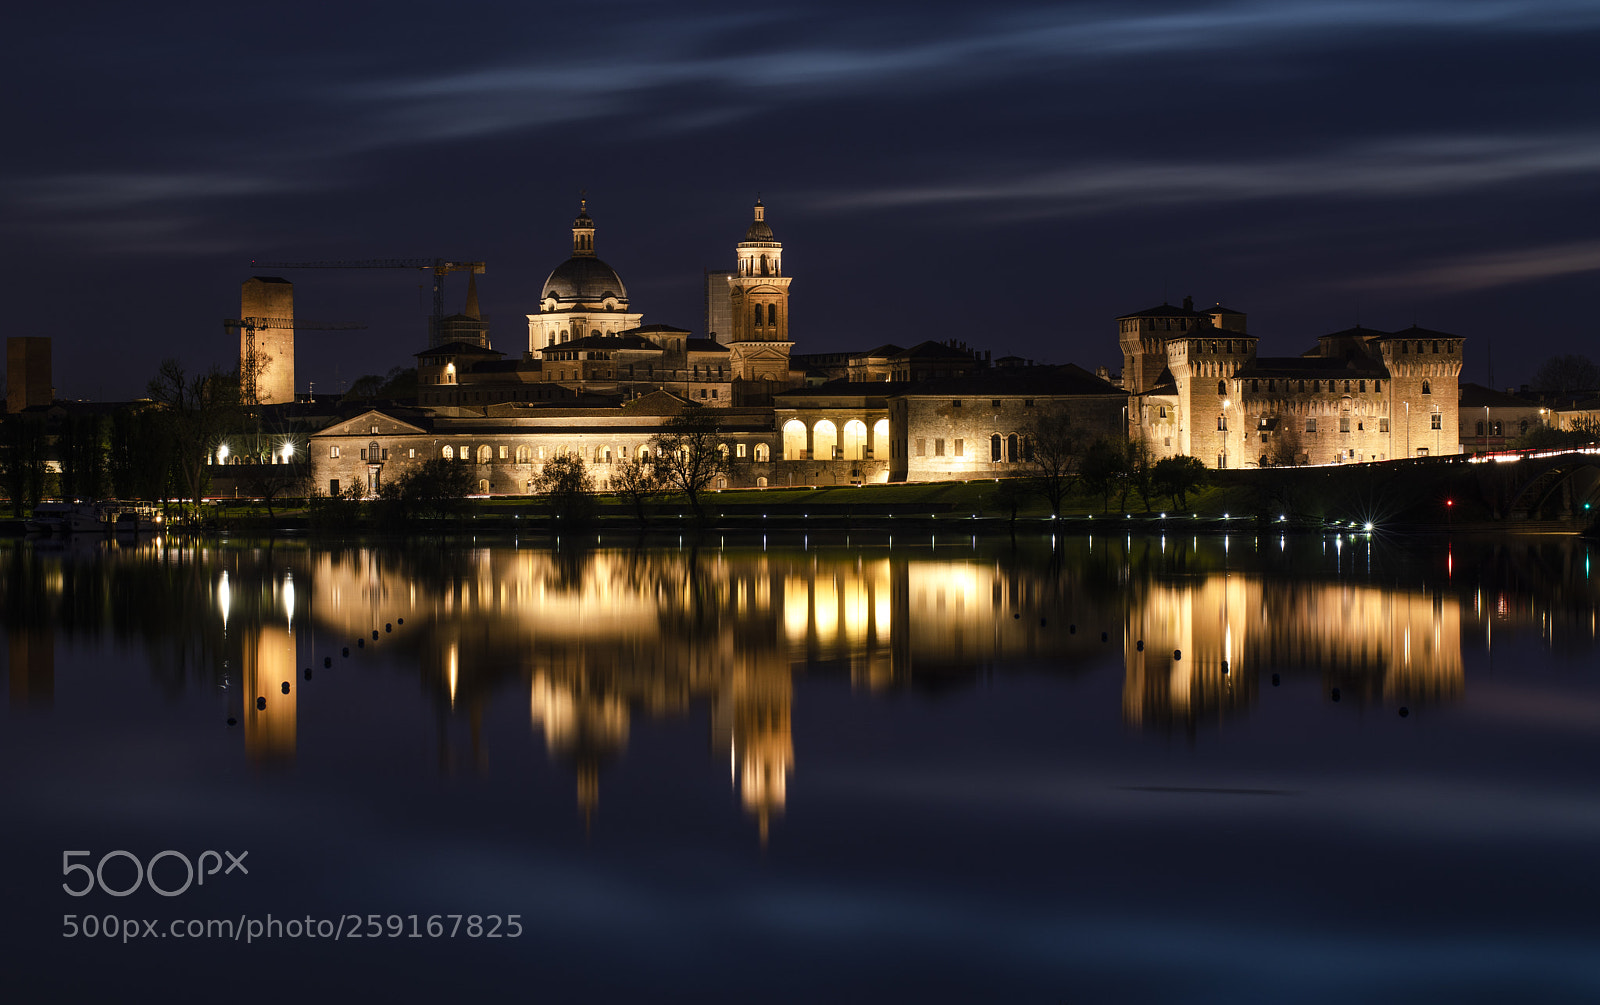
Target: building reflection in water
point(31, 666)
point(594, 639)
point(1197, 649)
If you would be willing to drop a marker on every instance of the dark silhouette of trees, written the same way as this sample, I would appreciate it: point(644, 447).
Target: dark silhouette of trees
point(1567, 374)
point(1055, 457)
point(568, 489)
point(1179, 476)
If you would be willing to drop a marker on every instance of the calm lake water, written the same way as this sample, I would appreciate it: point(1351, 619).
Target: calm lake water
point(1109, 769)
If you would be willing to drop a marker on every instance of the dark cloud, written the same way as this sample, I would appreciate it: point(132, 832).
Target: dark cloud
point(1014, 174)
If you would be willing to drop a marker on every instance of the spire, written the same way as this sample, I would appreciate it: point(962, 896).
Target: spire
point(472, 297)
point(583, 230)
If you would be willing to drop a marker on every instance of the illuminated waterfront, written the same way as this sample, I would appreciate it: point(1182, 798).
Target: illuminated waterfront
point(969, 766)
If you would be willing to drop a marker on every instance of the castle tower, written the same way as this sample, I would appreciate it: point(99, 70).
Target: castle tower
point(1203, 362)
point(759, 299)
point(270, 301)
point(1424, 391)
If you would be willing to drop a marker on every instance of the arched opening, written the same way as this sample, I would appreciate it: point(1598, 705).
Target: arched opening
point(880, 438)
point(483, 486)
point(485, 454)
point(644, 452)
point(761, 482)
point(825, 440)
point(794, 440)
point(758, 315)
point(524, 454)
point(763, 453)
point(855, 440)
point(772, 315)
point(1011, 448)
point(1427, 388)
point(1222, 385)
point(995, 447)
point(448, 453)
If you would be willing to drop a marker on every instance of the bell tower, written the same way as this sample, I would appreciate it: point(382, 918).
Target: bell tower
point(759, 298)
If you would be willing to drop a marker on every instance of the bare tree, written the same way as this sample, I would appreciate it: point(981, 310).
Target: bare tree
point(1055, 457)
point(565, 483)
point(688, 454)
point(636, 482)
point(197, 409)
point(1285, 449)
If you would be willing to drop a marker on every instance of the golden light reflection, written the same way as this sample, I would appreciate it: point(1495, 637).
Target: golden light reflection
point(269, 673)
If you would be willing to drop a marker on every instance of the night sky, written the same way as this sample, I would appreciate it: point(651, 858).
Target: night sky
point(1011, 174)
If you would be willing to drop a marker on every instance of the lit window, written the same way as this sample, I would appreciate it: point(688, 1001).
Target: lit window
point(1436, 421)
point(333, 451)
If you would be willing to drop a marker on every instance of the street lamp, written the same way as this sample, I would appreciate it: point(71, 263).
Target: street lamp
point(222, 454)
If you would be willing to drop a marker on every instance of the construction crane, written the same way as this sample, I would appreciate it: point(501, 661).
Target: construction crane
point(439, 266)
point(249, 365)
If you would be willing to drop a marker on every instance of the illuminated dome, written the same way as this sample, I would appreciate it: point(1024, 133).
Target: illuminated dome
point(584, 279)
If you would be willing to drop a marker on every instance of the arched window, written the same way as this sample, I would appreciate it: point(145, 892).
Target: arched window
point(483, 486)
point(794, 440)
point(825, 440)
point(855, 440)
point(761, 482)
point(1427, 388)
point(994, 447)
point(763, 453)
point(485, 454)
point(1222, 422)
point(1524, 425)
point(722, 483)
point(772, 315)
point(1027, 448)
point(524, 454)
point(722, 452)
point(1480, 427)
point(764, 265)
point(448, 453)
point(880, 438)
point(1011, 448)
point(1222, 387)
point(644, 452)
point(758, 315)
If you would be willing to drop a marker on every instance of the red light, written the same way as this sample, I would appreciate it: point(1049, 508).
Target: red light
point(1449, 502)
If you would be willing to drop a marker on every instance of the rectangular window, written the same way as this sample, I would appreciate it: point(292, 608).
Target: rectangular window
point(505, 451)
point(1436, 421)
point(738, 450)
point(1311, 425)
point(713, 392)
point(1222, 422)
point(961, 448)
point(955, 404)
point(333, 485)
point(385, 453)
point(1168, 442)
point(995, 402)
point(1383, 425)
point(1027, 402)
point(333, 451)
point(363, 453)
point(374, 430)
point(922, 445)
point(1344, 423)
point(938, 447)
point(411, 452)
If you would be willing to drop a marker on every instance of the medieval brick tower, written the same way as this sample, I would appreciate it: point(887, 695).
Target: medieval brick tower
point(266, 306)
point(759, 291)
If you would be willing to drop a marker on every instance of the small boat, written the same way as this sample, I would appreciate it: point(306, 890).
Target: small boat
point(66, 518)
